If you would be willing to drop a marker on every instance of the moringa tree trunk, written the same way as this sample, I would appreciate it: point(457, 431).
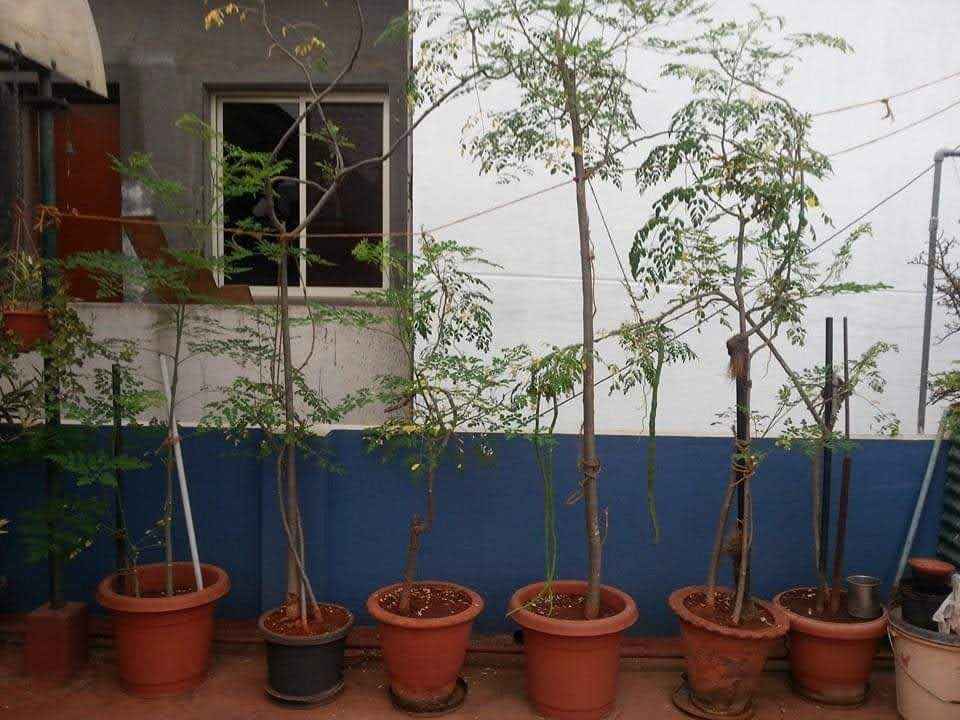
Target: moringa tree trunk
point(590, 463)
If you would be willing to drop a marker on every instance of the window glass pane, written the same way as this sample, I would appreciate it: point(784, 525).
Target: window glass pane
point(357, 206)
point(258, 126)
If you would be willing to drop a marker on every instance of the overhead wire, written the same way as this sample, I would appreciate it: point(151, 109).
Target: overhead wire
point(885, 101)
point(834, 235)
point(877, 139)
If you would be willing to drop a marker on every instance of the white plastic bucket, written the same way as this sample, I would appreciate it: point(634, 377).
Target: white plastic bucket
point(928, 671)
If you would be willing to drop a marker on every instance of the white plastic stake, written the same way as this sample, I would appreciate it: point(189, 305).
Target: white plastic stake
point(178, 456)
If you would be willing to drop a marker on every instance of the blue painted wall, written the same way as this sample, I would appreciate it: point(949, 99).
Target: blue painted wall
point(488, 533)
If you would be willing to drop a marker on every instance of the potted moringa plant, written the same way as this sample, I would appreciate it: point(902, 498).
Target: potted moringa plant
point(34, 402)
point(736, 233)
point(162, 611)
point(575, 115)
point(305, 638)
point(440, 316)
point(831, 648)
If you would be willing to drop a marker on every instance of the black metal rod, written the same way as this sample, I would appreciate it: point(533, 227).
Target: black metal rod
point(48, 196)
point(827, 452)
point(743, 436)
point(119, 521)
point(843, 508)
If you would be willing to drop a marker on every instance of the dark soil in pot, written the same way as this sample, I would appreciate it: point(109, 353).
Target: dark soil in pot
point(803, 601)
point(720, 611)
point(163, 643)
point(573, 663)
point(566, 606)
point(831, 653)
point(424, 649)
point(724, 660)
point(305, 664)
point(919, 605)
point(426, 600)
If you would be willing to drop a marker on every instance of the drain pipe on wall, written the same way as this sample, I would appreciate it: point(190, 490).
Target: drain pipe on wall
point(938, 158)
point(921, 501)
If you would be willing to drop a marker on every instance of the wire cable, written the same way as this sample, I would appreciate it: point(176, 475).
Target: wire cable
point(886, 100)
point(877, 139)
point(835, 234)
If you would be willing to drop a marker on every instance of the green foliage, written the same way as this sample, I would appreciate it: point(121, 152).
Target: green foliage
point(944, 386)
point(66, 527)
point(733, 228)
point(67, 388)
point(21, 280)
point(440, 317)
point(546, 48)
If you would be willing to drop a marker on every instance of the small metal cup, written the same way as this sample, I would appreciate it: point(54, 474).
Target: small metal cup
point(863, 597)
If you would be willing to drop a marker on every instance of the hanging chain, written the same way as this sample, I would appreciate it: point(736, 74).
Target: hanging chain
point(18, 123)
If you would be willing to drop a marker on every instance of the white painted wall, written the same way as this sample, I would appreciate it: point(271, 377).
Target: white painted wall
point(342, 359)
point(898, 45)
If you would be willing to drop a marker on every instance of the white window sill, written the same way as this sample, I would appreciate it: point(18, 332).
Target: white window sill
point(263, 294)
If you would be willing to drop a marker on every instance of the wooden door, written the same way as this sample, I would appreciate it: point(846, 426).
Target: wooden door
point(87, 135)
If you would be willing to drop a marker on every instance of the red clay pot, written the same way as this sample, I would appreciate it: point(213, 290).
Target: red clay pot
point(28, 326)
point(724, 664)
point(55, 646)
point(830, 662)
point(573, 665)
point(424, 655)
point(163, 643)
point(931, 573)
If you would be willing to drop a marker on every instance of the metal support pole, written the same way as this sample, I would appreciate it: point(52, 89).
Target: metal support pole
point(120, 526)
point(938, 158)
point(743, 435)
point(48, 251)
point(825, 488)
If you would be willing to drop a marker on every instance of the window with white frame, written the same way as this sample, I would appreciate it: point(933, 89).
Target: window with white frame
point(360, 207)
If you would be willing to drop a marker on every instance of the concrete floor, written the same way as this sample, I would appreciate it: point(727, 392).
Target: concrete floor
point(234, 692)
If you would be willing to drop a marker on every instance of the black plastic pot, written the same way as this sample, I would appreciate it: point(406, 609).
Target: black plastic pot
point(920, 605)
point(305, 670)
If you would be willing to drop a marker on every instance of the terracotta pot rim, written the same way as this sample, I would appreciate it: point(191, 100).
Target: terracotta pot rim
point(779, 629)
point(832, 629)
point(32, 310)
point(389, 618)
point(572, 628)
point(300, 640)
point(114, 601)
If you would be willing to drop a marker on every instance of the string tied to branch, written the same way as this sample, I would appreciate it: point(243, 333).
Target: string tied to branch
point(744, 462)
point(590, 470)
point(738, 348)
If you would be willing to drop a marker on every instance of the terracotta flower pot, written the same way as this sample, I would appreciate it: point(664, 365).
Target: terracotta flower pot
point(163, 643)
point(305, 669)
point(573, 665)
point(28, 326)
point(724, 664)
point(424, 655)
point(830, 662)
point(931, 574)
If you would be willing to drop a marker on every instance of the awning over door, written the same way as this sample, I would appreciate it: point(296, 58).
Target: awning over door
point(59, 35)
